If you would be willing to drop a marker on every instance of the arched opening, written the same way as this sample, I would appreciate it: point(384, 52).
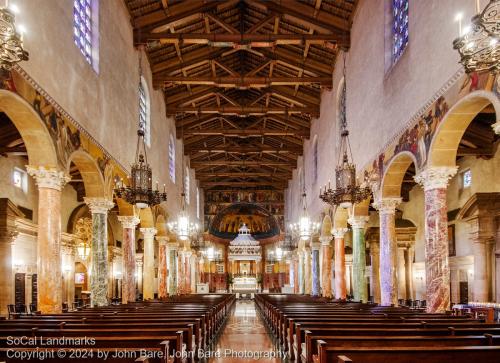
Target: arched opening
point(88, 169)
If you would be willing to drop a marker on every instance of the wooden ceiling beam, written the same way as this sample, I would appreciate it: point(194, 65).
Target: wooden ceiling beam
point(195, 164)
point(257, 26)
point(205, 184)
point(228, 27)
point(195, 120)
point(207, 175)
point(234, 40)
point(254, 148)
point(245, 110)
point(289, 121)
point(192, 59)
point(245, 132)
point(245, 82)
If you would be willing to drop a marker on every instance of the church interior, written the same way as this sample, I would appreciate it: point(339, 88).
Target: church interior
point(250, 180)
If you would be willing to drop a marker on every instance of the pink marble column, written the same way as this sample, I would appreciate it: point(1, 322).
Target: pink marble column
point(162, 266)
point(187, 273)
point(149, 263)
point(128, 247)
point(435, 182)
point(340, 285)
point(296, 286)
point(49, 273)
point(388, 251)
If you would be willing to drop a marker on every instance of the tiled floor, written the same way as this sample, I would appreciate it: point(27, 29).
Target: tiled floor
point(245, 338)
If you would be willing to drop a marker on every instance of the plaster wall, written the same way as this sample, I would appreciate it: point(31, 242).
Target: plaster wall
point(105, 102)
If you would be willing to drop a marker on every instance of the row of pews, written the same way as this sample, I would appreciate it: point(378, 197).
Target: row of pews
point(172, 330)
point(320, 331)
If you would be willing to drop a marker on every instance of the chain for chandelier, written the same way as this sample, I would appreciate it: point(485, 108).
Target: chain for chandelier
point(140, 191)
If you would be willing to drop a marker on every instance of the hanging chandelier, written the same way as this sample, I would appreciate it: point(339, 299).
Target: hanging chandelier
point(198, 244)
point(182, 227)
point(479, 44)
point(83, 250)
point(287, 246)
point(305, 228)
point(140, 191)
point(11, 40)
point(346, 192)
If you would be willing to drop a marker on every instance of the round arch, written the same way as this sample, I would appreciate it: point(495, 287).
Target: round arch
point(394, 174)
point(36, 136)
point(444, 145)
point(91, 175)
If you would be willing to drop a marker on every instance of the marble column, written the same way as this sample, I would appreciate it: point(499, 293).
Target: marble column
point(375, 259)
point(292, 273)
point(138, 272)
point(409, 253)
point(388, 251)
point(307, 271)
point(187, 272)
point(301, 272)
point(340, 275)
point(315, 246)
point(68, 262)
point(7, 236)
point(172, 268)
point(162, 266)
point(296, 287)
point(358, 224)
point(437, 271)
point(128, 249)
point(49, 272)
point(148, 280)
point(99, 268)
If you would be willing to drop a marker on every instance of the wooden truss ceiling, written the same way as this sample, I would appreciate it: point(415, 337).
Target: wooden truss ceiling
point(242, 78)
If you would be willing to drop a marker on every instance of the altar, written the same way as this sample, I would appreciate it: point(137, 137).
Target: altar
point(245, 284)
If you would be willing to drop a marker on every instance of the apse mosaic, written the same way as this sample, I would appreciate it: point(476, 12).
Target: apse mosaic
point(261, 222)
point(269, 200)
point(417, 138)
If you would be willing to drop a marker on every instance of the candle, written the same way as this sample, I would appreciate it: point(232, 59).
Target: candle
point(478, 6)
point(459, 19)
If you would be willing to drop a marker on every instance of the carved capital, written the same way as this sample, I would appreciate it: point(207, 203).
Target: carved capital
point(436, 177)
point(98, 205)
point(148, 232)
point(325, 240)
point(162, 240)
point(496, 128)
point(315, 246)
point(172, 245)
point(48, 178)
point(387, 205)
point(129, 221)
point(358, 221)
point(339, 232)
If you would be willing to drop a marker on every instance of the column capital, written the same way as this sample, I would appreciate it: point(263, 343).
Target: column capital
point(325, 240)
point(162, 240)
point(188, 254)
point(496, 128)
point(339, 232)
point(387, 205)
point(436, 177)
point(358, 221)
point(99, 205)
point(315, 246)
point(148, 232)
point(129, 221)
point(172, 245)
point(50, 178)
point(375, 246)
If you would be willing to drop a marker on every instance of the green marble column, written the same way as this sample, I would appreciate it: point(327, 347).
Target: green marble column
point(172, 269)
point(99, 266)
point(358, 224)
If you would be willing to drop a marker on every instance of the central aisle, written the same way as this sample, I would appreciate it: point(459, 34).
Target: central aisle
point(245, 338)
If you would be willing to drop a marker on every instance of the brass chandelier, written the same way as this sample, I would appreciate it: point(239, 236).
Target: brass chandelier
point(140, 189)
point(11, 41)
point(346, 192)
point(479, 46)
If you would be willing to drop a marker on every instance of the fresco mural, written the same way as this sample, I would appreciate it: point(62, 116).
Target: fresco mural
point(226, 223)
point(66, 134)
point(417, 138)
point(270, 200)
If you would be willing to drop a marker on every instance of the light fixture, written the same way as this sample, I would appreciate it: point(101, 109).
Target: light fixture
point(478, 44)
point(346, 192)
point(140, 191)
point(278, 253)
point(182, 227)
point(83, 250)
point(11, 39)
point(305, 228)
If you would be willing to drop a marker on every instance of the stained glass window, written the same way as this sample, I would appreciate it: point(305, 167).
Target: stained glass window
point(171, 158)
point(466, 179)
point(399, 27)
point(144, 121)
point(82, 27)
